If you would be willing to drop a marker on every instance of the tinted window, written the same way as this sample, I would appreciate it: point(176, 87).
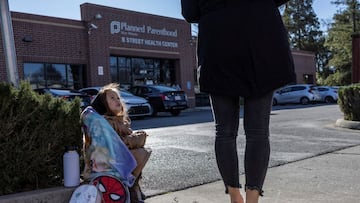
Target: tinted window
point(145, 90)
point(91, 91)
point(285, 90)
point(55, 75)
point(321, 89)
point(297, 88)
point(34, 73)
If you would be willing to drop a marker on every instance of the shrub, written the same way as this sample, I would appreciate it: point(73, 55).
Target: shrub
point(34, 129)
point(349, 102)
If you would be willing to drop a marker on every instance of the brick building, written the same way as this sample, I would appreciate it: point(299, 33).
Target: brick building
point(111, 45)
point(305, 67)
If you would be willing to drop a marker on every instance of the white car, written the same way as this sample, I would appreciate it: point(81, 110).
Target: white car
point(300, 93)
point(136, 106)
point(327, 94)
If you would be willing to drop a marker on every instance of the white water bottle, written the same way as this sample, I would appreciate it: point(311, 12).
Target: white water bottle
point(71, 167)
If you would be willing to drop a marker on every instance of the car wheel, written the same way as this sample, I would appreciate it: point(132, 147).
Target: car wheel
point(154, 112)
point(304, 100)
point(175, 112)
point(329, 100)
point(274, 102)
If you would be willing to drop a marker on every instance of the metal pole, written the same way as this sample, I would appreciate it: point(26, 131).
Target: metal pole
point(9, 44)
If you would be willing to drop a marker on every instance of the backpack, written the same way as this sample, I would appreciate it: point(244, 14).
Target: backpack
point(86, 193)
point(101, 189)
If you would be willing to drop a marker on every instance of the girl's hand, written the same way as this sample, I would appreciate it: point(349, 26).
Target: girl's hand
point(136, 139)
point(122, 129)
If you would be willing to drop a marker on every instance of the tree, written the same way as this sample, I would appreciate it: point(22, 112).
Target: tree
point(339, 41)
point(351, 10)
point(302, 24)
point(304, 30)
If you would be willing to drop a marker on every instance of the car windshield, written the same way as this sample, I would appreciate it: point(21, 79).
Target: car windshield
point(63, 92)
point(125, 93)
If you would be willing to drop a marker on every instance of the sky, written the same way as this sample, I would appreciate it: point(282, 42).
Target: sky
point(70, 9)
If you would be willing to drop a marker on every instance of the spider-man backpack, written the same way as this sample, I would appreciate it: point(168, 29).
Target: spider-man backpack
point(102, 189)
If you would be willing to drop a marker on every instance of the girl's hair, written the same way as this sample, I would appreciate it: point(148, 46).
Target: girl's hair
point(101, 106)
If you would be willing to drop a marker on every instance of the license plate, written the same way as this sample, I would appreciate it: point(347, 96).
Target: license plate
point(177, 97)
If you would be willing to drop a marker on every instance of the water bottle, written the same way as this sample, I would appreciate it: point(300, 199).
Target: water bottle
point(71, 167)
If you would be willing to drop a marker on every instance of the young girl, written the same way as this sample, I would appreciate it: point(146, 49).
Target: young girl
point(109, 104)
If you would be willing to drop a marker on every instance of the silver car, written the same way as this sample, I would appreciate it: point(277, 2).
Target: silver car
point(327, 94)
point(292, 94)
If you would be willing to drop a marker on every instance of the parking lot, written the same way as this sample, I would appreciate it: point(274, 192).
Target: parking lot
point(183, 154)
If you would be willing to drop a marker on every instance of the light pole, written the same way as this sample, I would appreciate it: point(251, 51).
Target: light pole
point(9, 44)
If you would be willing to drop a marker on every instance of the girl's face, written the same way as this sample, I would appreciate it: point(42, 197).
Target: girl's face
point(113, 101)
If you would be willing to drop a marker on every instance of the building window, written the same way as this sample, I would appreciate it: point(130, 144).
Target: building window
point(128, 71)
point(143, 70)
point(34, 73)
point(55, 75)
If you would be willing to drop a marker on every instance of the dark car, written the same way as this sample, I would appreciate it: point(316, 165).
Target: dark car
point(162, 98)
point(67, 94)
point(137, 107)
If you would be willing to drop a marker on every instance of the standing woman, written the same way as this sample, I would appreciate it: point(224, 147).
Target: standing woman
point(242, 51)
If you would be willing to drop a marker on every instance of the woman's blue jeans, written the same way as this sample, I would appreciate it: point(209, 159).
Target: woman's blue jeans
point(226, 112)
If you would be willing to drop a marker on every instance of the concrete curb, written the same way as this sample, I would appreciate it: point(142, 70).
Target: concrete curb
point(347, 124)
point(53, 195)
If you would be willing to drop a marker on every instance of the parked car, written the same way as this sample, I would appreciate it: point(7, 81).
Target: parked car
point(327, 94)
point(335, 88)
point(67, 94)
point(162, 98)
point(137, 107)
point(300, 93)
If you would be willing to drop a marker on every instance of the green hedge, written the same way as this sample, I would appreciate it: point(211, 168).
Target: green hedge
point(34, 129)
point(349, 102)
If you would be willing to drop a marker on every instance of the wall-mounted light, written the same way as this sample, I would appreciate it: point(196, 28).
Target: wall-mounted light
point(193, 40)
point(97, 16)
point(27, 39)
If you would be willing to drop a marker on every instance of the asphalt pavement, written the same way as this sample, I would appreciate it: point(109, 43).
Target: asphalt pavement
point(329, 178)
point(313, 160)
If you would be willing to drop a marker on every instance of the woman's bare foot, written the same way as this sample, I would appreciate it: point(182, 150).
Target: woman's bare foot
point(235, 195)
point(252, 196)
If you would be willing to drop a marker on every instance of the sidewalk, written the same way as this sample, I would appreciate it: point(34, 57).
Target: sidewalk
point(328, 178)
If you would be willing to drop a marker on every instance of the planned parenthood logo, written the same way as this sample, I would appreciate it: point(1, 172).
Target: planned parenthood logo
point(130, 34)
point(117, 27)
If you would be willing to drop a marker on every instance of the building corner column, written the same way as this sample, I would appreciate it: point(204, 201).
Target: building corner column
point(355, 72)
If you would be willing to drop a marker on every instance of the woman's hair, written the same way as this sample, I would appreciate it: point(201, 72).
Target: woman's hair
point(101, 106)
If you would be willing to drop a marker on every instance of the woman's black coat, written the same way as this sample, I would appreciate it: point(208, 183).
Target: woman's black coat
point(243, 47)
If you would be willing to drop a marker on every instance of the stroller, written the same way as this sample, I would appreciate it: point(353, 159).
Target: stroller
point(102, 189)
point(108, 163)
